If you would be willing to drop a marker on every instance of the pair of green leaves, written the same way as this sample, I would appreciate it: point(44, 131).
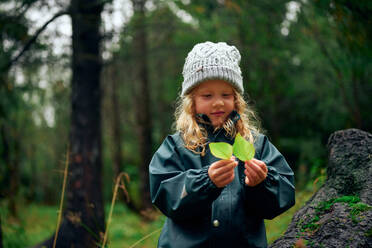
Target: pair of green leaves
point(241, 148)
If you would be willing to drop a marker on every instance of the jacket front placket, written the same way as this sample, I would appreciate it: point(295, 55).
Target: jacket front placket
point(220, 221)
point(221, 207)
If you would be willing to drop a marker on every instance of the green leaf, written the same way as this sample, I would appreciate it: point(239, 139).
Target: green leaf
point(221, 150)
point(243, 149)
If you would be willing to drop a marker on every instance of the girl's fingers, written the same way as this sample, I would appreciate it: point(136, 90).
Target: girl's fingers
point(255, 171)
point(252, 171)
point(251, 181)
point(252, 175)
point(261, 164)
point(222, 173)
point(257, 166)
point(226, 179)
point(225, 168)
point(221, 163)
point(228, 169)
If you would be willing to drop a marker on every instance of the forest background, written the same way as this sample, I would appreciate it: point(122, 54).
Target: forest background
point(306, 67)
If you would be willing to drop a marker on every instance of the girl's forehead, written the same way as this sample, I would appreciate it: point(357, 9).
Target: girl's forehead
point(214, 85)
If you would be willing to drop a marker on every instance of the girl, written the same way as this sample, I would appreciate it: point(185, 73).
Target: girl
point(211, 202)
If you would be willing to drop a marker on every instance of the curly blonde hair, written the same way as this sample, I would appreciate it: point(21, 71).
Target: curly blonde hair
point(195, 136)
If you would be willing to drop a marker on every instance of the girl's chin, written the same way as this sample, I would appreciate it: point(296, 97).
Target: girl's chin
point(217, 124)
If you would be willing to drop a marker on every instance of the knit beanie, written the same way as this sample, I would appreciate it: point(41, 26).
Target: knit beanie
point(210, 60)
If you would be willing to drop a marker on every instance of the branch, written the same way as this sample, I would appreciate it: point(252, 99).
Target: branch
point(33, 39)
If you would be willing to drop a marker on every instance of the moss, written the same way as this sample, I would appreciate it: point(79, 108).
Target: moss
point(327, 205)
point(369, 233)
point(322, 208)
point(358, 208)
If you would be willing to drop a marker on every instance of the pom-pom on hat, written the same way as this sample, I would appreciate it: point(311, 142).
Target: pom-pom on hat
point(210, 60)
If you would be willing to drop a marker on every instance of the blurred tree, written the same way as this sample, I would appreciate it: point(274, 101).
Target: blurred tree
point(1, 235)
point(120, 121)
point(112, 116)
point(352, 22)
point(15, 40)
point(12, 34)
point(15, 32)
point(116, 123)
point(142, 94)
point(83, 223)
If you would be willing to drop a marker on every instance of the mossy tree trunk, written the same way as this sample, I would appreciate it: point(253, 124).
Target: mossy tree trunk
point(340, 213)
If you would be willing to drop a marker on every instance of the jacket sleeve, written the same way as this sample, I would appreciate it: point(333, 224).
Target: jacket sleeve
point(179, 186)
point(276, 193)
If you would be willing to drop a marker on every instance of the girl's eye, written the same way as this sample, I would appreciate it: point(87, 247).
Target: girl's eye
point(226, 95)
point(206, 95)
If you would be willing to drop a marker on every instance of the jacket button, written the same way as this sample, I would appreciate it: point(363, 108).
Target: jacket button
point(216, 223)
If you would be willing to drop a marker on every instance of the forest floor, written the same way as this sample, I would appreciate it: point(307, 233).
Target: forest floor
point(37, 222)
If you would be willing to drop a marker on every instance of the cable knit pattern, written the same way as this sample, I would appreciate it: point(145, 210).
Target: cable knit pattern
point(210, 60)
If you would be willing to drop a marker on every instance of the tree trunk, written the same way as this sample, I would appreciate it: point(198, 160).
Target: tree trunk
point(116, 132)
point(14, 178)
point(10, 158)
point(83, 223)
point(1, 235)
point(116, 126)
point(143, 102)
point(339, 214)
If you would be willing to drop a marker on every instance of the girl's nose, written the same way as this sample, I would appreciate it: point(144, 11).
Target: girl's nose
point(218, 102)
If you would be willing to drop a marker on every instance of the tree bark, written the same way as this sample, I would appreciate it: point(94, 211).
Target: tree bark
point(143, 102)
point(83, 223)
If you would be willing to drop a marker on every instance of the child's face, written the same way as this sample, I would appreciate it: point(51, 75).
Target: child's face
point(215, 98)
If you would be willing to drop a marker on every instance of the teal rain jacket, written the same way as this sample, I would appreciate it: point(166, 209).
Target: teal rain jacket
point(200, 215)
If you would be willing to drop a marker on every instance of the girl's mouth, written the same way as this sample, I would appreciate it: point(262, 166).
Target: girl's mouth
point(218, 113)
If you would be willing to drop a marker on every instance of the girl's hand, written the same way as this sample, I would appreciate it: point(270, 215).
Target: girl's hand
point(222, 172)
point(255, 172)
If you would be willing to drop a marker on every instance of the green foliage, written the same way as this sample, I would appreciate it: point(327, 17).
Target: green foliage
point(13, 232)
point(39, 221)
point(14, 236)
point(221, 150)
point(241, 148)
